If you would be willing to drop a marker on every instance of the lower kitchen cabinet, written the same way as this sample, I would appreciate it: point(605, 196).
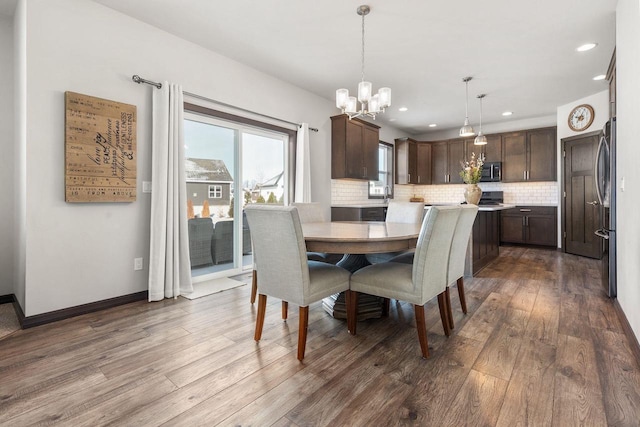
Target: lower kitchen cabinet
point(347, 213)
point(533, 225)
point(486, 239)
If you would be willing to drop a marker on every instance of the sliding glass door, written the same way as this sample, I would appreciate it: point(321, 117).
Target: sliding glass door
point(228, 165)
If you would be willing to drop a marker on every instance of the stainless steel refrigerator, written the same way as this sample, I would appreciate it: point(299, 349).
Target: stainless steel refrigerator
point(605, 176)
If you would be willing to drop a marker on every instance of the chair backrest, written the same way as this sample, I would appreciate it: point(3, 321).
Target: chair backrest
point(405, 212)
point(281, 254)
point(311, 212)
point(431, 259)
point(461, 241)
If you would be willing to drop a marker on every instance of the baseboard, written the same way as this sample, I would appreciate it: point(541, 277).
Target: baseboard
point(54, 316)
point(633, 341)
point(7, 299)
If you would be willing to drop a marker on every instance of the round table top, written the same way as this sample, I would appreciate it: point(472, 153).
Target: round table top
point(360, 237)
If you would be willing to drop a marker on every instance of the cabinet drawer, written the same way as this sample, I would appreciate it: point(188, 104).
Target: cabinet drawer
point(372, 214)
point(534, 210)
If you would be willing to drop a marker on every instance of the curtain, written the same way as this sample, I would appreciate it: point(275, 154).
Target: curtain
point(303, 166)
point(169, 267)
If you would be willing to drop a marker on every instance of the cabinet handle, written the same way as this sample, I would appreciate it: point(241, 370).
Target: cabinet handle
point(527, 220)
point(524, 175)
point(418, 179)
point(527, 175)
point(409, 179)
point(524, 222)
point(525, 210)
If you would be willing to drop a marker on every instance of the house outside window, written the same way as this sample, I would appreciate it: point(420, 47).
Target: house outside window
point(215, 191)
point(385, 173)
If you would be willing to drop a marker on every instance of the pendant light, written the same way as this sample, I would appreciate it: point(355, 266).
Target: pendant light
point(370, 104)
point(480, 139)
point(467, 129)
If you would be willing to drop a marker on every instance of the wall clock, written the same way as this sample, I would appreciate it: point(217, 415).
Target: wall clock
point(581, 117)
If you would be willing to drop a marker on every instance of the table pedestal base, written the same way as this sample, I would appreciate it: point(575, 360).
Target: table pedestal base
point(369, 306)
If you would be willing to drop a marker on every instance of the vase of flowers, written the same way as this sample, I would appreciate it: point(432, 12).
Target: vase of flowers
point(471, 173)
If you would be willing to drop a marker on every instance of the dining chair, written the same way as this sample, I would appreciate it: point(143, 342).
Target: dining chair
point(403, 212)
point(457, 259)
point(285, 271)
point(416, 283)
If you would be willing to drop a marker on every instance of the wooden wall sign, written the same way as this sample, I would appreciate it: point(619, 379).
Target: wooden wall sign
point(100, 150)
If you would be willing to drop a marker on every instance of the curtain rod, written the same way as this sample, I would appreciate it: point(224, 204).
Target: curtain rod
point(136, 78)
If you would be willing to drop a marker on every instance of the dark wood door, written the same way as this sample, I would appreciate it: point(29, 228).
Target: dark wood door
point(514, 157)
point(455, 156)
point(423, 163)
point(353, 151)
point(541, 155)
point(582, 213)
point(439, 162)
point(512, 227)
point(370, 152)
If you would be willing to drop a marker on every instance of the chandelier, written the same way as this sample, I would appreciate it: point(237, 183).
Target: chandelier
point(370, 104)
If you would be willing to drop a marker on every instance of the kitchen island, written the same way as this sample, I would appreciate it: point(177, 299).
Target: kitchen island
point(485, 239)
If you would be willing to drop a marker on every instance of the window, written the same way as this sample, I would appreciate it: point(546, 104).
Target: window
point(230, 161)
point(385, 173)
point(215, 191)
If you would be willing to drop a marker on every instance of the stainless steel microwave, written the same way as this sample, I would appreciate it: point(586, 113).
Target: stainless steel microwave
point(491, 172)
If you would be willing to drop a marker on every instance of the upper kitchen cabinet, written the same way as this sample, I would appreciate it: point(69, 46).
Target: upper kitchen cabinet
point(445, 161)
point(354, 148)
point(529, 156)
point(413, 162)
point(492, 150)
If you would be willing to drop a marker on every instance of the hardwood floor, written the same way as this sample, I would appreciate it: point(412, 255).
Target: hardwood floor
point(540, 346)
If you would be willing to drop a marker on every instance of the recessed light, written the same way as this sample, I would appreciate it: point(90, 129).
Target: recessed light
point(432, 125)
point(507, 113)
point(586, 46)
point(600, 77)
point(402, 109)
point(392, 120)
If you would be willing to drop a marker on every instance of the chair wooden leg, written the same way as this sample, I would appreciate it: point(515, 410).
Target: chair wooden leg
point(463, 301)
point(352, 311)
point(285, 310)
point(443, 313)
point(422, 330)
point(254, 286)
point(262, 307)
point(447, 297)
point(385, 307)
point(302, 331)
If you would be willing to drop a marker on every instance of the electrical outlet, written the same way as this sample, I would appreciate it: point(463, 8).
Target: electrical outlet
point(137, 263)
point(146, 186)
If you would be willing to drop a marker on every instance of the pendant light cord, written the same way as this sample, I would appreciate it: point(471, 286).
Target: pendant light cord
point(363, 46)
point(466, 103)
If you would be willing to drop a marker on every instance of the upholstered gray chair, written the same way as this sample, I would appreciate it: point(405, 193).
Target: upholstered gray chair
point(285, 272)
point(457, 258)
point(313, 212)
point(404, 212)
point(416, 283)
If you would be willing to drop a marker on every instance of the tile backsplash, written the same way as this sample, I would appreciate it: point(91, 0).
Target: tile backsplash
point(520, 193)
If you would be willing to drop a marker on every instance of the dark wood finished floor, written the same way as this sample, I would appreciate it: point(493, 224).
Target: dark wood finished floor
point(541, 346)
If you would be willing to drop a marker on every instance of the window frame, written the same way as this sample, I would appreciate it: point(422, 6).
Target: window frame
point(215, 189)
point(390, 172)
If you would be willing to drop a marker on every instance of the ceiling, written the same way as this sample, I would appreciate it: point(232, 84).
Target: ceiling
point(522, 55)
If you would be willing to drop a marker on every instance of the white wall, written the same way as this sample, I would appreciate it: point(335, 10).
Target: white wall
point(600, 104)
point(6, 145)
point(81, 253)
point(628, 152)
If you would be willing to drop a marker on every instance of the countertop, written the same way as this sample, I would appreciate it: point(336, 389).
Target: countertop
point(484, 208)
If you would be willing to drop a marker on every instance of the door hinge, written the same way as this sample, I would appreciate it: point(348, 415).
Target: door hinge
point(564, 234)
point(564, 194)
point(564, 153)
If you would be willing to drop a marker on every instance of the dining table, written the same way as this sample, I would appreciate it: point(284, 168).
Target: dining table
point(355, 239)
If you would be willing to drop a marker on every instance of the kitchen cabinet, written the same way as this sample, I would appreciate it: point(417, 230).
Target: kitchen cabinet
point(354, 148)
point(529, 155)
point(355, 213)
point(413, 162)
point(486, 239)
point(533, 225)
point(492, 150)
point(445, 161)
